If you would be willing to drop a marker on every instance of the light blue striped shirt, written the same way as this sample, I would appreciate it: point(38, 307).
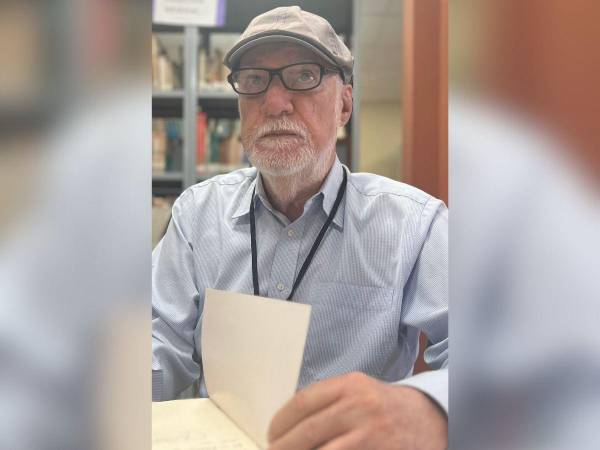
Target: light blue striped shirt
point(379, 277)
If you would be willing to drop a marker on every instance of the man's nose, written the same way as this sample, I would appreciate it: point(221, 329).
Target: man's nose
point(277, 100)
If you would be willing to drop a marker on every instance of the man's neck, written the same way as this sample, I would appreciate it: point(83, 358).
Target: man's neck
point(289, 194)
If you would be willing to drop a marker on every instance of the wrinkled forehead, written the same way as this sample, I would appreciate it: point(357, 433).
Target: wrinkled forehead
point(279, 54)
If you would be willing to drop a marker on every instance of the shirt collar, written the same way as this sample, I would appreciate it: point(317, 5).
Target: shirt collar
point(243, 208)
point(330, 189)
point(328, 192)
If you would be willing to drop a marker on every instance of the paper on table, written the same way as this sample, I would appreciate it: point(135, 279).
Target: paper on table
point(252, 349)
point(195, 425)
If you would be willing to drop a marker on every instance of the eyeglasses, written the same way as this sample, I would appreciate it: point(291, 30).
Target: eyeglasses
point(295, 77)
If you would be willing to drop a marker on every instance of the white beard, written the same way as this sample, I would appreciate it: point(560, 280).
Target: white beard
point(282, 156)
point(279, 161)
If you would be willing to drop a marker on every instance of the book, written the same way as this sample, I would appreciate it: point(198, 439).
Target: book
point(230, 149)
point(202, 67)
point(155, 71)
point(165, 72)
point(224, 142)
point(201, 138)
point(252, 349)
point(167, 145)
point(159, 145)
point(214, 141)
point(174, 156)
point(167, 62)
point(195, 424)
point(218, 145)
point(212, 73)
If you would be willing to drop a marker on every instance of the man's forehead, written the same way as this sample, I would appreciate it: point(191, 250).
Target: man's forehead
point(283, 53)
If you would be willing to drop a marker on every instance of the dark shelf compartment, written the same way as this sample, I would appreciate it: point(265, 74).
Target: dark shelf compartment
point(219, 107)
point(164, 187)
point(167, 106)
point(162, 28)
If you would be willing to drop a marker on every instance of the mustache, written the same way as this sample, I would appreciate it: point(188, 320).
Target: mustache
point(283, 125)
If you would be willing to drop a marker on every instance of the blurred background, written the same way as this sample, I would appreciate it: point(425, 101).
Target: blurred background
point(75, 192)
point(88, 87)
point(524, 180)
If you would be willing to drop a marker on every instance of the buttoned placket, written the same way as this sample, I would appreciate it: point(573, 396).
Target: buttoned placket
point(287, 258)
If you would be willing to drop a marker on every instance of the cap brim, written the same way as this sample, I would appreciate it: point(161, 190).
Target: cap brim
point(233, 59)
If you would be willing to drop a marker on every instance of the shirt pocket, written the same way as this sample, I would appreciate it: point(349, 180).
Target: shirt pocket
point(352, 328)
point(351, 296)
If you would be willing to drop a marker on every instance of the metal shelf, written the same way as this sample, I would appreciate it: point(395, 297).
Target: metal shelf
point(216, 94)
point(167, 176)
point(203, 94)
point(175, 94)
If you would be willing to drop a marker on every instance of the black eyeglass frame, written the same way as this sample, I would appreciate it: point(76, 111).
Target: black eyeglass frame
point(272, 72)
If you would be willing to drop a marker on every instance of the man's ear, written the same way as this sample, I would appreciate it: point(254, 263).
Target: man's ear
point(346, 111)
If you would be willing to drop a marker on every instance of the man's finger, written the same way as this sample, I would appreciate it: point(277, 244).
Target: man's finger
point(316, 429)
point(305, 403)
point(349, 441)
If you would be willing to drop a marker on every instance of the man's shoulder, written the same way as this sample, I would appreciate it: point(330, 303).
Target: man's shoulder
point(225, 184)
point(371, 186)
point(218, 191)
point(234, 178)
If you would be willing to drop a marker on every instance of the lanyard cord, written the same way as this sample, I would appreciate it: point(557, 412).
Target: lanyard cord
point(313, 249)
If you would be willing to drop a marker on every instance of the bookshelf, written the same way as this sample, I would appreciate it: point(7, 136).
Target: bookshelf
point(194, 110)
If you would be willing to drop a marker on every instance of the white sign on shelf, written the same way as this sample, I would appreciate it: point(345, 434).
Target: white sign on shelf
point(202, 13)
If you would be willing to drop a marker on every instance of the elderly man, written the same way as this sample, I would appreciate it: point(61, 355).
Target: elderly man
point(369, 254)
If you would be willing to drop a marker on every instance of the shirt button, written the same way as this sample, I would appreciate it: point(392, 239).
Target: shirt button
point(280, 286)
point(291, 233)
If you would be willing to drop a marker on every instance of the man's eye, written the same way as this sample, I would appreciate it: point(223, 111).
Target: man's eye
point(306, 76)
point(254, 79)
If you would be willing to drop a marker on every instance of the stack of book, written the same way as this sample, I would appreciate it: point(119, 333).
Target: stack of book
point(167, 144)
point(166, 71)
point(212, 74)
point(218, 146)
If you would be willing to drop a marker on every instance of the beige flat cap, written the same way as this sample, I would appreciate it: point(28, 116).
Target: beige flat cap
point(293, 25)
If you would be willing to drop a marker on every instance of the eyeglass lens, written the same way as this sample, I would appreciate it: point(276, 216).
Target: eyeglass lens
point(298, 77)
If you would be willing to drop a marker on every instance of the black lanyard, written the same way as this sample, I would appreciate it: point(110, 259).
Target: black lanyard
point(313, 249)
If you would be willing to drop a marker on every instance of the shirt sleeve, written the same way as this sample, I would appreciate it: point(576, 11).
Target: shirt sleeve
point(425, 302)
point(175, 310)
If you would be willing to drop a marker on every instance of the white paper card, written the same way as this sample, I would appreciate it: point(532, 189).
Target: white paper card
point(252, 350)
point(203, 13)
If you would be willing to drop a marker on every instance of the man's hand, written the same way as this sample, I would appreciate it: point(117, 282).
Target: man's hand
point(355, 411)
